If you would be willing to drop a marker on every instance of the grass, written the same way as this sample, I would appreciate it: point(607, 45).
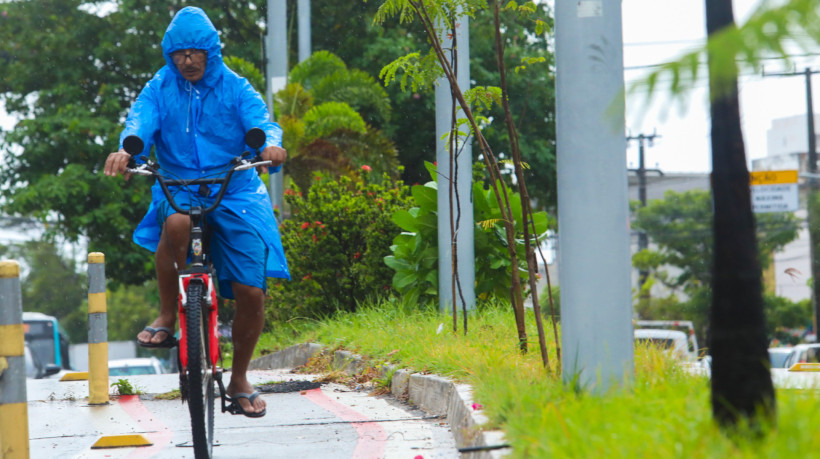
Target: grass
point(663, 412)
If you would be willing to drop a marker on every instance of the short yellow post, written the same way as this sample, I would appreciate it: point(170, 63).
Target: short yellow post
point(97, 331)
point(13, 400)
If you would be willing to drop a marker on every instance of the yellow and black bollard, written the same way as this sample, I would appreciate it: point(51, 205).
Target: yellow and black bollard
point(97, 331)
point(13, 401)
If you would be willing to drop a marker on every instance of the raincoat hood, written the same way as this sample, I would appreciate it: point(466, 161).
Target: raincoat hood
point(192, 29)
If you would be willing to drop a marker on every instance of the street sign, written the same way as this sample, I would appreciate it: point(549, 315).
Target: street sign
point(774, 191)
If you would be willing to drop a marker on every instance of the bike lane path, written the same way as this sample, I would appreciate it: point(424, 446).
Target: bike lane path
point(333, 421)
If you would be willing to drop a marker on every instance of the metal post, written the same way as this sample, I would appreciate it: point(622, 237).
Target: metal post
point(303, 13)
point(465, 249)
point(276, 45)
point(593, 210)
point(643, 239)
point(813, 202)
point(13, 399)
point(97, 331)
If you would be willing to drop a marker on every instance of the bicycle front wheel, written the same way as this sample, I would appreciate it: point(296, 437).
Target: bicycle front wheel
point(200, 373)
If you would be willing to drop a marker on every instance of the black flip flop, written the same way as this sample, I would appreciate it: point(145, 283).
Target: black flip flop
point(236, 408)
point(169, 341)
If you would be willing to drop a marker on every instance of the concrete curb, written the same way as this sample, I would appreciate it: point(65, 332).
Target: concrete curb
point(431, 393)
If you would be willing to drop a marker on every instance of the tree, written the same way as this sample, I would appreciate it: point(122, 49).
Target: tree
point(742, 387)
point(323, 112)
point(531, 93)
point(680, 227)
point(421, 70)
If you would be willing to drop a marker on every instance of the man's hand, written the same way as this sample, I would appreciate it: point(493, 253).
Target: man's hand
point(275, 155)
point(116, 164)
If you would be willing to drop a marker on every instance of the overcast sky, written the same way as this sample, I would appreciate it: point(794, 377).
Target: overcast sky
point(656, 31)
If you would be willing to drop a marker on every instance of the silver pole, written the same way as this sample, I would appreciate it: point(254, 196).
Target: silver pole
point(276, 50)
point(303, 12)
point(593, 217)
point(464, 245)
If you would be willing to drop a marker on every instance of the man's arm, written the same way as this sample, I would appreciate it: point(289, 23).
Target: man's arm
point(142, 121)
point(254, 113)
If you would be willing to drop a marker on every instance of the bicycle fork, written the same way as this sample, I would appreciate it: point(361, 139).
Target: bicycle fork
point(209, 304)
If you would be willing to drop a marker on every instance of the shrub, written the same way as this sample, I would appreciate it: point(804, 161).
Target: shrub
point(415, 251)
point(335, 242)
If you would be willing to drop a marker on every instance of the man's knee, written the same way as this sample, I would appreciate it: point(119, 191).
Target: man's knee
point(176, 229)
point(246, 293)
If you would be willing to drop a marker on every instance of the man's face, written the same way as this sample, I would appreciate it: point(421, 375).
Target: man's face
point(190, 63)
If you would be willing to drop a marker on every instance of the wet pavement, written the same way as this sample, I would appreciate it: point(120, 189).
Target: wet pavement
point(329, 421)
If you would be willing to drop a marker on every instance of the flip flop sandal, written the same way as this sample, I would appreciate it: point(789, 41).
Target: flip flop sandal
point(169, 341)
point(236, 408)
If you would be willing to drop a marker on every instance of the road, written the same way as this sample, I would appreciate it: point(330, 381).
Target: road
point(332, 421)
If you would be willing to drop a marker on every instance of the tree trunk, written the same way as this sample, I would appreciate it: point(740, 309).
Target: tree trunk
point(741, 382)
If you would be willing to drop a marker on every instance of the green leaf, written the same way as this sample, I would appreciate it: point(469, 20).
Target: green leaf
point(405, 220)
point(426, 197)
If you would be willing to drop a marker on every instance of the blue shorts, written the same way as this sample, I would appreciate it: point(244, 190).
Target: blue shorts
point(237, 251)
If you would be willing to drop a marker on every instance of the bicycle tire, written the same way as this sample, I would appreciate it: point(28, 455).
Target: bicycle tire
point(200, 375)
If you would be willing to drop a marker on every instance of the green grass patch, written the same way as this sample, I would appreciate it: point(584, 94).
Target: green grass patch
point(663, 412)
point(174, 394)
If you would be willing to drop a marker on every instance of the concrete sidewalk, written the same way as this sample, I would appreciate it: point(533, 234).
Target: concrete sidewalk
point(433, 394)
point(334, 421)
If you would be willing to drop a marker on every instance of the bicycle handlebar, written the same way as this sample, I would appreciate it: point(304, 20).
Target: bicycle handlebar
point(255, 138)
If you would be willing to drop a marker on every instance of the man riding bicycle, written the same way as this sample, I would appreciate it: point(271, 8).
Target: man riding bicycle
point(195, 111)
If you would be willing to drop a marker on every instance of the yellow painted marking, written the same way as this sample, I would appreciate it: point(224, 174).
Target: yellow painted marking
point(14, 431)
point(772, 177)
point(75, 376)
point(96, 257)
point(3, 365)
point(97, 373)
point(121, 441)
point(9, 268)
point(803, 366)
point(96, 302)
point(12, 341)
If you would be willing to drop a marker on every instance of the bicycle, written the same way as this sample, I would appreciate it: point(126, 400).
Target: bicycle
point(198, 344)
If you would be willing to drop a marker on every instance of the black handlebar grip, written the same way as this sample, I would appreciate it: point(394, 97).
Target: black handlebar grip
point(133, 145)
point(255, 138)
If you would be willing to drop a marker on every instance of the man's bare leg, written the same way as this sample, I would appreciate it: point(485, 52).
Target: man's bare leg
point(173, 246)
point(248, 322)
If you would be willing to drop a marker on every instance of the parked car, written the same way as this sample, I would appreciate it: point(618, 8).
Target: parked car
point(674, 341)
point(133, 367)
point(803, 353)
point(35, 368)
point(779, 355)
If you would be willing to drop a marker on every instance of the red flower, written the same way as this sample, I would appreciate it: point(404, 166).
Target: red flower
point(289, 192)
point(307, 277)
point(317, 178)
point(367, 168)
point(477, 406)
point(318, 222)
point(305, 225)
point(357, 255)
point(313, 237)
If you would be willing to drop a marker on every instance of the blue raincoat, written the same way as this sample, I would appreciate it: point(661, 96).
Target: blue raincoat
point(197, 128)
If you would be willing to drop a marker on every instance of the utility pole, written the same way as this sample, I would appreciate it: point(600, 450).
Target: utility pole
point(455, 281)
point(276, 69)
point(303, 15)
point(643, 240)
point(813, 198)
point(593, 203)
